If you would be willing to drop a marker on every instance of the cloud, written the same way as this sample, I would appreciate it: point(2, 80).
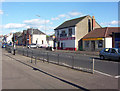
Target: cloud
point(14, 26)
point(114, 22)
point(36, 22)
point(67, 15)
point(74, 13)
point(1, 12)
point(13, 31)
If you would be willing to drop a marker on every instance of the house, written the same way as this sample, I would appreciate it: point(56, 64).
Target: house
point(34, 36)
point(50, 40)
point(70, 33)
point(9, 38)
point(100, 38)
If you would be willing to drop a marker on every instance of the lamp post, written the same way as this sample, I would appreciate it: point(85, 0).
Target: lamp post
point(45, 22)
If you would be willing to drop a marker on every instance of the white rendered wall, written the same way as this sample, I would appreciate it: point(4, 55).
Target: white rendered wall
point(108, 42)
point(39, 39)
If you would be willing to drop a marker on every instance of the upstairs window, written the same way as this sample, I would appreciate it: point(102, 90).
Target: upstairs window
point(89, 25)
point(63, 34)
point(70, 32)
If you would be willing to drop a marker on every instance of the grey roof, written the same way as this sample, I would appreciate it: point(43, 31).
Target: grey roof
point(36, 31)
point(70, 23)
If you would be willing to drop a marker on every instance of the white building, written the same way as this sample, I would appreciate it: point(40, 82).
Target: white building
point(34, 36)
point(9, 38)
point(70, 33)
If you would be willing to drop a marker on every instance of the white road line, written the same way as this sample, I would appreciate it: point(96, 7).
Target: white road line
point(103, 73)
point(107, 74)
point(117, 76)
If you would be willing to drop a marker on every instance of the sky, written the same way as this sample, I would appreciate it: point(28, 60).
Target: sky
point(46, 16)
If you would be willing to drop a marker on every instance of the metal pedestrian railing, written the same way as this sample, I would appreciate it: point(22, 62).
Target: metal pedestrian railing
point(71, 61)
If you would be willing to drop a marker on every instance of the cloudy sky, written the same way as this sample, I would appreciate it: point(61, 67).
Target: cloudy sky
point(17, 16)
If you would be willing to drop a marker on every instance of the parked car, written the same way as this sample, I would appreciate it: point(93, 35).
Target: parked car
point(110, 53)
point(32, 46)
point(4, 45)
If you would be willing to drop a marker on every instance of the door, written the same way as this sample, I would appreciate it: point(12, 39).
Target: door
point(61, 45)
point(92, 45)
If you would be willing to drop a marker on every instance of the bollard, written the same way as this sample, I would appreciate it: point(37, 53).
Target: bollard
point(35, 59)
point(93, 66)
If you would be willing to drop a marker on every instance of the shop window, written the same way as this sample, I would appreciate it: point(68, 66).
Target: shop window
point(70, 31)
point(86, 43)
point(100, 43)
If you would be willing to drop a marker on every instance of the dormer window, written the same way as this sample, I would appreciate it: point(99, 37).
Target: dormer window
point(70, 32)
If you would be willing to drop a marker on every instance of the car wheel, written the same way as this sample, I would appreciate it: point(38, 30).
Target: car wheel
point(102, 57)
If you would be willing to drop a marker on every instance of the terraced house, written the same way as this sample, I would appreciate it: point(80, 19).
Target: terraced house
point(33, 36)
point(70, 33)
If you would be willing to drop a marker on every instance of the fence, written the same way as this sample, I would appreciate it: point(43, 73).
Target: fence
point(71, 61)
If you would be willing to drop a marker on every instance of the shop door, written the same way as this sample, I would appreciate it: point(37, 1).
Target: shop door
point(92, 45)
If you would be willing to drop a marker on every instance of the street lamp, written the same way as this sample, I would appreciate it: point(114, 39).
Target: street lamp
point(45, 22)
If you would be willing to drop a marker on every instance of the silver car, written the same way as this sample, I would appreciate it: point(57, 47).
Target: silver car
point(110, 53)
point(32, 46)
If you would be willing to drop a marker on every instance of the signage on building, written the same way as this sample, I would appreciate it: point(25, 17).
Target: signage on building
point(93, 39)
point(67, 38)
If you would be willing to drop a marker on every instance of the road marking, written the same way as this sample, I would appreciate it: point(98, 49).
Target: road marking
point(103, 73)
point(117, 76)
point(107, 74)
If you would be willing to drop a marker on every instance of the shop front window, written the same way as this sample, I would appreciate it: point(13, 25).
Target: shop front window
point(100, 43)
point(86, 43)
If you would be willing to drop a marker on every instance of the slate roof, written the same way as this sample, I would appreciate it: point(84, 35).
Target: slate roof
point(70, 23)
point(36, 31)
point(102, 32)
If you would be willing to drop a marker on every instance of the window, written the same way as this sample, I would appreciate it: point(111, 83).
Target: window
point(89, 25)
point(113, 51)
point(57, 33)
point(63, 34)
point(42, 41)
point(86, 43)
point(107, 50)
point(70, 32)
point(100, 43)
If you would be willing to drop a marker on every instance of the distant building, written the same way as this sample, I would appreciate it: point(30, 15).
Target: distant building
point(100, 38)
point(34, 36)
point(9, 38)
point(70, 33)
point(50, 40)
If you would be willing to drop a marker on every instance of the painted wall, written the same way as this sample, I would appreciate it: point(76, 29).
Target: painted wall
point(9, 38)
point(108, 42)
point(39, 39)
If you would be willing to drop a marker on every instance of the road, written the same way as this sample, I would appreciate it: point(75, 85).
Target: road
point(84, 61)
point(19, 73)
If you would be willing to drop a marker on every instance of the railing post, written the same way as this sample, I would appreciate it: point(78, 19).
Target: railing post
point(47, 57)
point(58, 58)
point(72, 61)
point(23, 51)
point(93, 65)
point(27, 52)
point(31, 56)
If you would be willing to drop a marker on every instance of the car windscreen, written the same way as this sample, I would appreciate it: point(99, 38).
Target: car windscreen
point(119, 50)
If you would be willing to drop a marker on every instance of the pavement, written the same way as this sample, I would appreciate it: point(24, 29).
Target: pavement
point(72, 77)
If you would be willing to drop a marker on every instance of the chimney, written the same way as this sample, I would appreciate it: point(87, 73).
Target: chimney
point(93, 22)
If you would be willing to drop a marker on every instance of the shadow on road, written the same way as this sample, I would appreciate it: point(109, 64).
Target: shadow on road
point(63, 80)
